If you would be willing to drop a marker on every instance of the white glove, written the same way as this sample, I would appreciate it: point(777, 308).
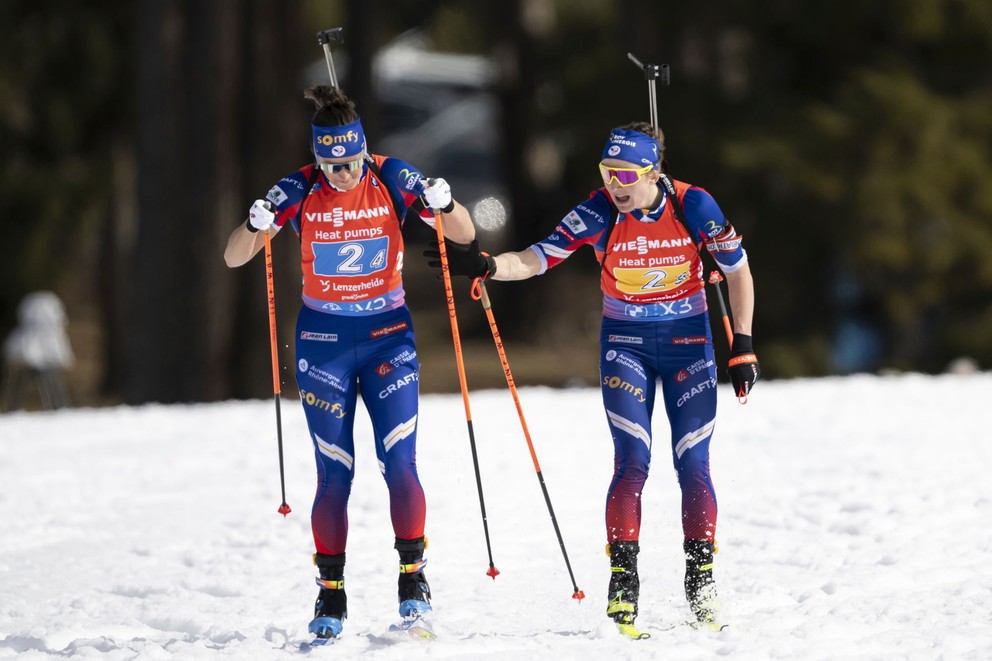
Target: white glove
point(261, 216)
point(437, 195)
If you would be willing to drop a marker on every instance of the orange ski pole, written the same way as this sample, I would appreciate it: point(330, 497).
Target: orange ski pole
point(270, 287)
point(456, 339)
point(715, 280)
point(480, 294)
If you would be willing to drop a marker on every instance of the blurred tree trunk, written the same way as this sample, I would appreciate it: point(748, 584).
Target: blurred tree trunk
point(273, 140)
point(197, 133)
point(361, 42)
point(516, 49)
point(115, 247)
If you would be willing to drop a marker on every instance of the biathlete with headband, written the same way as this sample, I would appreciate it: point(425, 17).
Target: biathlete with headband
point(354, 334)
point(655, 330)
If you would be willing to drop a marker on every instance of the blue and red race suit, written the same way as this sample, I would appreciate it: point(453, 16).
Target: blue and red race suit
point(655, 330)
point(354, 336)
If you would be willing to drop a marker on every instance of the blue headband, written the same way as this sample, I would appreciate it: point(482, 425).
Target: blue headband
point(339, 141)
point(631, 146)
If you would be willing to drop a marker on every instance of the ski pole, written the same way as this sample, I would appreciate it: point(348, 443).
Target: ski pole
point(459, 361)
point(284, 509)
point(652, 73)
point(325, 38)
point(479, 293)
point(715, 280)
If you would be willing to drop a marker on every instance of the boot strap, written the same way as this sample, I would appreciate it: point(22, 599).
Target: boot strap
point(331, 585)
point(413, 567)
point(618, 606)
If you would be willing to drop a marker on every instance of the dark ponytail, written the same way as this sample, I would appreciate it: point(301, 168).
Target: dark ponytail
point(334, 108)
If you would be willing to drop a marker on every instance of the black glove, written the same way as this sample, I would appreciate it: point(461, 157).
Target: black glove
point(463, 259)
point(743, 369)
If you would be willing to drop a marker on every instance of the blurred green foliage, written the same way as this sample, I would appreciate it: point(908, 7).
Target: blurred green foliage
point(880, 141)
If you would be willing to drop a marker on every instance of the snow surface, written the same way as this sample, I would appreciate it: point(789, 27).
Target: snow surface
point(855, 523)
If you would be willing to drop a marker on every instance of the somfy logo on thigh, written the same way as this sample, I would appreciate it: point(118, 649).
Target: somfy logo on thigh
point(615, 382)
point(310, 399)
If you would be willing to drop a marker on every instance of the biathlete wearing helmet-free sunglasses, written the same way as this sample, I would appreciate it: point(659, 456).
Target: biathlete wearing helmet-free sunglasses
point(624, 176)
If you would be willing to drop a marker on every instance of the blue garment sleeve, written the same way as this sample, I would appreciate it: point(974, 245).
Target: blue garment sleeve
point(288, 194)
point(703, 214)
point(406, 181)
point(583, 224)
point(708, 224)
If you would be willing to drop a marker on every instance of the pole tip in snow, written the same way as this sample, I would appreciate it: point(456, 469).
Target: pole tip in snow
point(492, 572)
point(284, 509)
point(579, 594)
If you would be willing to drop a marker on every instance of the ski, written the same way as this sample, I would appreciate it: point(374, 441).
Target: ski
point(694, 624)
point(632, 632)
point(408, 629)
point(708, 626)
point(413, 628)
point(326, 630)
point(306, 646)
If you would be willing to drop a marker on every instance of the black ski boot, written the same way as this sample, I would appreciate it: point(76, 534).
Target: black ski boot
point(331, 607)
point(624, 587)
point(414, 593)
point(700, 589)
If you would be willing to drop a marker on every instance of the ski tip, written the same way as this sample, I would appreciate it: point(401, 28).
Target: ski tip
point(308, 645)
point(632, 632)
point(579, 595)
point(284, 509)
point(415, 627)
point(709, 626)
point(492, 572)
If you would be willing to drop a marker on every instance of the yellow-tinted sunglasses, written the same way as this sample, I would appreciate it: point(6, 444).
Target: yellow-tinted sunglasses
point(350, 166)
point(624, 176)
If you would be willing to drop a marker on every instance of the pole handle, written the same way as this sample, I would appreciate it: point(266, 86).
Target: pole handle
point(331, 36)
point(652, 73)
point(660, 72)
point(325, 38)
